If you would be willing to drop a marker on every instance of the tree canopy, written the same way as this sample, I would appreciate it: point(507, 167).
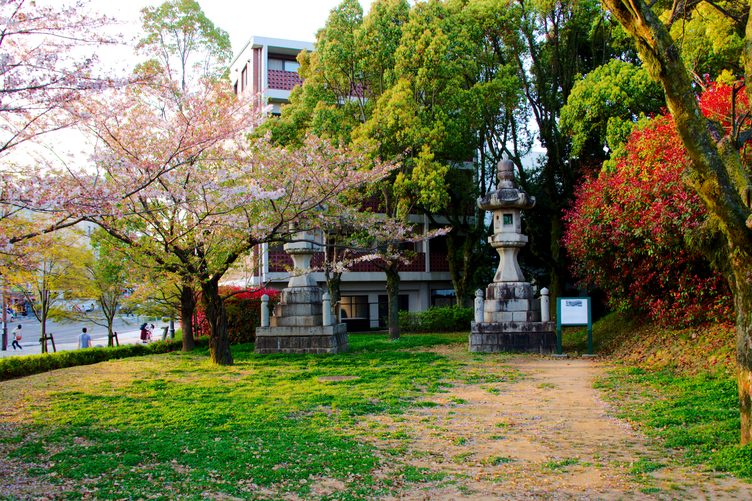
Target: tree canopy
point(184, 43)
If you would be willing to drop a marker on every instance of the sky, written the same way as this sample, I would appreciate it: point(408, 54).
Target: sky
point(242, 19)
point(290, 19)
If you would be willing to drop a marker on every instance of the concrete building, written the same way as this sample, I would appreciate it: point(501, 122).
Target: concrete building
point(269, 65)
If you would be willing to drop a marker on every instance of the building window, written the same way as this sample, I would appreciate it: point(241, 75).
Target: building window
point(443, 298)
point(244, 79)
point(276, 64)
point(292, 66)
point(354, 306)
point(283, 65)
point(403, 304)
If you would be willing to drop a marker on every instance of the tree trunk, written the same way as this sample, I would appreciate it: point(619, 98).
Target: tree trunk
point(743, 304)
point(333, 281)
point(216, 315)
point(392, 294)
point(43, 338)
point(187, 305)
point(457, 266)
point(43, 321)
point(558, 274)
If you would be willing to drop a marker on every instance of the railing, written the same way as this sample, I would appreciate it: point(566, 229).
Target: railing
point(438, 261)
point(283, 80)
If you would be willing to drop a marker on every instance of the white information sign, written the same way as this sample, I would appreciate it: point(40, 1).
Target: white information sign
point(574, 311)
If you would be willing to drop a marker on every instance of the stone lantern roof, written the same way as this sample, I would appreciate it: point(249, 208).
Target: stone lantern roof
point(506, 195)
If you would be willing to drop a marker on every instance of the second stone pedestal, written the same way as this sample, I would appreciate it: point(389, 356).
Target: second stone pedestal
point(298, 322)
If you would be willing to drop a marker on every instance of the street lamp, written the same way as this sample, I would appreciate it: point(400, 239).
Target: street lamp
point(5, 324)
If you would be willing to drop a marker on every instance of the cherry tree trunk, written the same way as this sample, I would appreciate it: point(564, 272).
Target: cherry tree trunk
point(187, 305)
point(216, 315)
point(333, 281)
point(392, 294)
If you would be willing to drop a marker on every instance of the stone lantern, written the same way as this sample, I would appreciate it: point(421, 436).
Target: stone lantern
point(302, 321)
point(506, 203)
point(511, 315)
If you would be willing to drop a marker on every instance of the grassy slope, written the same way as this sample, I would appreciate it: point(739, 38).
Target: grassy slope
point(703, 349)
point(173, 426)
point(677, 386)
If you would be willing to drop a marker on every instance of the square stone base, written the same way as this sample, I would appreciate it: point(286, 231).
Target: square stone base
point(309, 339)
point(522, 337)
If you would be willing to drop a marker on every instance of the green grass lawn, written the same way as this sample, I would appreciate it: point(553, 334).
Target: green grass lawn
point(693, 417)
point(176, 427)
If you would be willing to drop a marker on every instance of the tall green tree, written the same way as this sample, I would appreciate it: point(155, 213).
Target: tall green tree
point(181, 40)
point(399, 81)
point(557, 42)
point(605, 104)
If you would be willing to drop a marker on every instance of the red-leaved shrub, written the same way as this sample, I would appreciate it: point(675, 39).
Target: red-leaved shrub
point(626, 230)
point(243, 313)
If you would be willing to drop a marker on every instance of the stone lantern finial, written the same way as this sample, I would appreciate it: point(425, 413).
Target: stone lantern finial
point(505, 174)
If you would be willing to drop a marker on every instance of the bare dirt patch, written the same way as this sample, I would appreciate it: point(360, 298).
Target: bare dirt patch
point(546, 435)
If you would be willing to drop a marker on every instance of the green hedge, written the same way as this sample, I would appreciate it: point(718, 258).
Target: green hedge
point(20, 366)
point(454, 319)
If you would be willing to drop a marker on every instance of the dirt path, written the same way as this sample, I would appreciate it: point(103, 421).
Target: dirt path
point(547, 435)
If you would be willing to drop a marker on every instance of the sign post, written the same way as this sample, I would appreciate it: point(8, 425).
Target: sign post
point(574, 311)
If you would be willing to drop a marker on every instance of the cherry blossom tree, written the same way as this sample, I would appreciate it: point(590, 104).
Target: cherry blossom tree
point(41, 75)
point(48, 65)
point(177, 181)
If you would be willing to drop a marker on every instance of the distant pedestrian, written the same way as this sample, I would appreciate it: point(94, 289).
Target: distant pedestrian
point(16, 335)
point(84, 340)
point(144, 333)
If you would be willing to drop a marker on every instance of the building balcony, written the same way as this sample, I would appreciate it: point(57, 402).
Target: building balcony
point(283, 80)
point(437, 261)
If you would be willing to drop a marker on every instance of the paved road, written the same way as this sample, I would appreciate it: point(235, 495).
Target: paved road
point(66, 335)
